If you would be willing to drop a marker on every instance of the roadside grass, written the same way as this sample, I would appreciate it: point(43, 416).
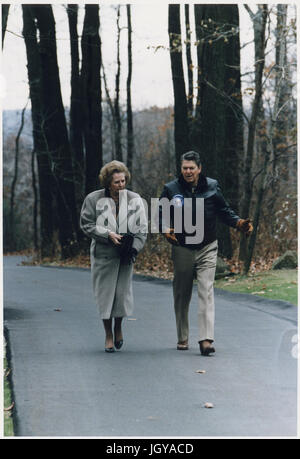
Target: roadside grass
point(274, 284)
point(8, 402)
point(279, 284)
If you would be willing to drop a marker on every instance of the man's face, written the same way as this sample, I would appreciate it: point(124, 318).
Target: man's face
point(190, 172)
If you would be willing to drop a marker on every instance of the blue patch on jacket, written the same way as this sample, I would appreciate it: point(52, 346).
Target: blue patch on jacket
point(177, 200)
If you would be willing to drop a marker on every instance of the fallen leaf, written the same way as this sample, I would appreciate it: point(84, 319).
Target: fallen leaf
point(200, 371)
point(208, 405)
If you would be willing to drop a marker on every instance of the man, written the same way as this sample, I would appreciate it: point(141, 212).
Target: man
point(194, 255)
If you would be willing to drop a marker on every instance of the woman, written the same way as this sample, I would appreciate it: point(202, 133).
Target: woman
point(104, 218)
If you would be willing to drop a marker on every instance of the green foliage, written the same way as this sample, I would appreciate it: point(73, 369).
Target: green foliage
point(275, 285)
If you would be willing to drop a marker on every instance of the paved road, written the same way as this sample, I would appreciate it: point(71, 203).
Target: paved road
point(66, 385)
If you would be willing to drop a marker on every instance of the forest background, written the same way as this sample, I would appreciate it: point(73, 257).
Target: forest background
point(86, 84)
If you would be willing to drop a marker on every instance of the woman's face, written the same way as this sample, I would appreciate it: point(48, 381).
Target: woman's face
point(117, 183)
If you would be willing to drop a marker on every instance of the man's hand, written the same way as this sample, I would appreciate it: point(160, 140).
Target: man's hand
point(170, 236)
point(245, 226)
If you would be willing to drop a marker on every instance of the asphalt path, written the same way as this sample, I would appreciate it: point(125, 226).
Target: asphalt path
point(64, 384)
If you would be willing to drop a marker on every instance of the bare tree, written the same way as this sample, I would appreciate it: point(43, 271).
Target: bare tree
point(14, 181)
point(270, 152)
point(91, 96)
point(259, 24)
point(111, 114)
point(282, 125)
point(45, 175)
point(76, 137)
point(118, 139)
point(181, 131)
point(217, 129)
point(130, 138)
point(54, 128)
point(189, 61)
point(35, 202)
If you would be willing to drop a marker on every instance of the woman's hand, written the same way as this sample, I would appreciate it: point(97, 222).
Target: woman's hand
point(115, 238)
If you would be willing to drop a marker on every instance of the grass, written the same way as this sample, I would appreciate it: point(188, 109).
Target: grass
point(274, 284)
point(8, 402)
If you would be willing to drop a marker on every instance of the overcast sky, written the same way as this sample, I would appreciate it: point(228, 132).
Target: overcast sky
point(151, 80)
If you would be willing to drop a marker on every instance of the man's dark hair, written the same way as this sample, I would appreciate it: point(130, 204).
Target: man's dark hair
point(191, 156)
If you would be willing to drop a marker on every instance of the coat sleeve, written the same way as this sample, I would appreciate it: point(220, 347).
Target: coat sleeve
point(139, 241)
point(224, 212)
point(140, 236)
point(88, 222)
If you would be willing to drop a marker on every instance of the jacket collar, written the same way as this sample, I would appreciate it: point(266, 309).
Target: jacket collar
point(121, 217)
point(201, 185)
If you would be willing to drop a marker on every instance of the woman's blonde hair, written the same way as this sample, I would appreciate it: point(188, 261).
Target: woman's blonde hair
point(107, 172)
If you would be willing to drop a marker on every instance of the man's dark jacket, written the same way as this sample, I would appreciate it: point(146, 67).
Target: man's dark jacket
point(214, 206)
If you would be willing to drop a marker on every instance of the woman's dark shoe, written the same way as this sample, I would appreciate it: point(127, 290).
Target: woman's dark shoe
point(110, 349)
point(118, 344)
point(109, 345)
point(206, 349)
point(118, 334)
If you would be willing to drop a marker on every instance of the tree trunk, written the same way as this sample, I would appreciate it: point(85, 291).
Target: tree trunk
point(45, 176)
point(5, 11)
point(35, 203)
point(12, 241)
point(130, 139)
point(269, 153)
point(76, 139)
point(260, 195)
point(112, 119)
point(281, 130)
point(181, 128)
point(119, 154)
point(91, 96)
point(218, 126)
point(190, 105)
point(259, 24)
point(55, 131)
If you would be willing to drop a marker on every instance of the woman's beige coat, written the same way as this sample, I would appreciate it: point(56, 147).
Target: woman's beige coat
point(112, 280)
